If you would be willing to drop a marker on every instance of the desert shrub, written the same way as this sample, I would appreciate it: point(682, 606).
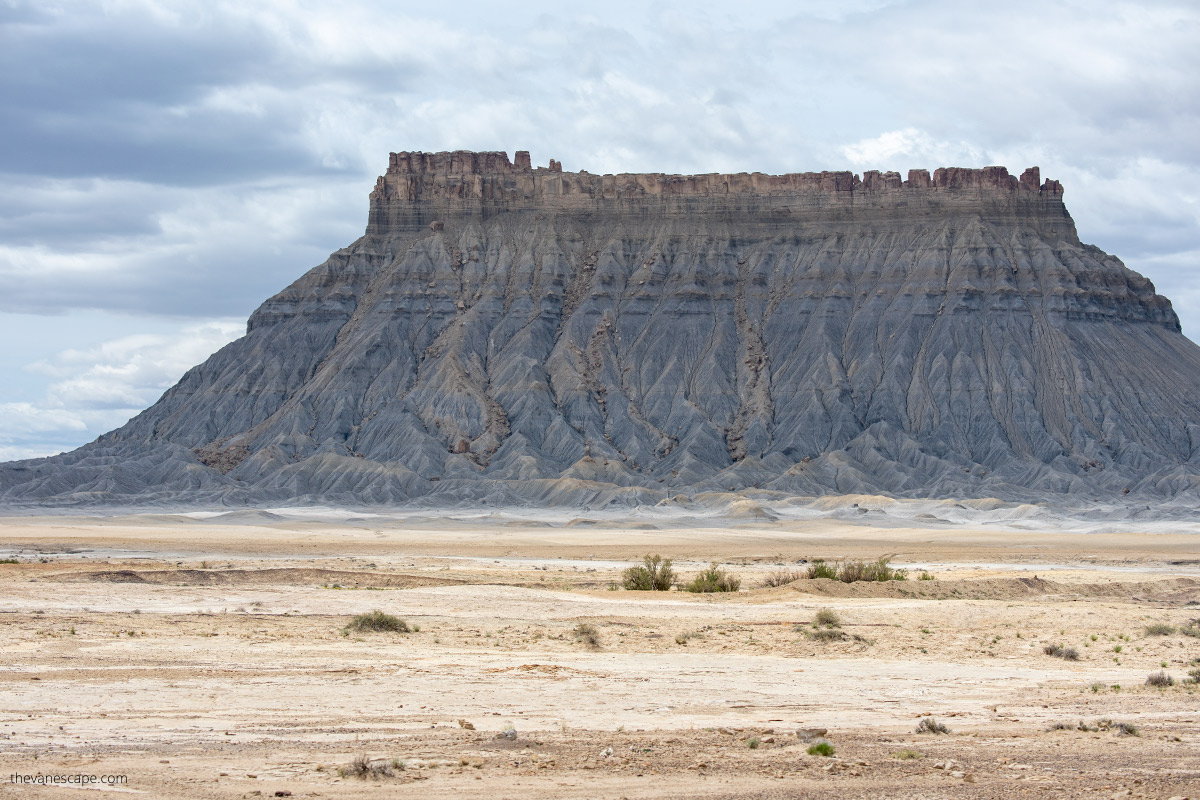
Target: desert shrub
point(819, 569)
point(782, 577)
point(686, 636)
point(828, 618)
point(1160, 629)
point(931, 725)
point(877, 570)
point(9, 561)
point(854, 571)
point(653, 574)
point(925, 576)
point(587, 634)
point(377, 621)
point(1059, 651)
point(826, 635)
point(363, 768)
point(821, 748)
point(907, 754)
point(754, 743)
point(1126, 729)
point(1191, 629)
point(1160, 678)
point(714, 579)
point(1061, 726)
point(1194, 675)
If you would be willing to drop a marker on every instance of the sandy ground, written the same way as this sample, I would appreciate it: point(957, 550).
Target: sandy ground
point(208, 656)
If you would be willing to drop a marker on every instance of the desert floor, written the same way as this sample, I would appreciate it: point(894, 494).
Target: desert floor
point(208, 655)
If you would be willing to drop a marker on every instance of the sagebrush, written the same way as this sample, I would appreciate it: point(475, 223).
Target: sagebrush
point(1060, 651)
point(587, 633)
point(782, 577)
point(853, 571)
point(654, 574)
point(714, 579)
point(377, 621)
point(931, 725)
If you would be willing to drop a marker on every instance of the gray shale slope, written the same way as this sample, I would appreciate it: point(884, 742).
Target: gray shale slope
point(506, 334)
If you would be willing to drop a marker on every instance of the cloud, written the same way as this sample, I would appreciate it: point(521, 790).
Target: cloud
point(188, 159)
point(912, 147)
point(94, 389)
point(131, 246)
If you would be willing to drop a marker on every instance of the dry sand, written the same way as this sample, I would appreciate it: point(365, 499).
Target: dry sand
point(205, 656)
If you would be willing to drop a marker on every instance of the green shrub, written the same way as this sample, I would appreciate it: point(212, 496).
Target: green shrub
point(653, 574)
point(877, 570)
point(754, 742)
point(907, 754)
point(826, 617)
point(819, 569)
point(854, 571)
point(714, 579)
point(821, 748)
point(826, 635)
point(376, 621)
point(1160, 629)
point(925, 576)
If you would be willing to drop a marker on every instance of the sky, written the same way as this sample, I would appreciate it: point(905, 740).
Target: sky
point(167, 166)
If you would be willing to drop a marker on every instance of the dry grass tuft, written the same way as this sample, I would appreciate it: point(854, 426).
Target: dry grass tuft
point(377, 621)
point(1160, 679)
point(782, 577)
point(365, 768)
point(931, 725)
point(587, 633)
point(1059, 651)
point(827, 618)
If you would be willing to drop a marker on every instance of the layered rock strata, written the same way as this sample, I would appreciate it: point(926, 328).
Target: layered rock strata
point(508, 334)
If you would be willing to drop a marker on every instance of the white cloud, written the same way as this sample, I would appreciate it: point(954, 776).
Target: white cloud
point(25, 418)
point(910, 147)
point(94, 389)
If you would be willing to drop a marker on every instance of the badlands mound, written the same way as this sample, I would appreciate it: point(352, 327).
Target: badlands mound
point(506, 334)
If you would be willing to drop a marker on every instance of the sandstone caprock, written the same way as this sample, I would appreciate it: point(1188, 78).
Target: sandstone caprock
point(505, 334)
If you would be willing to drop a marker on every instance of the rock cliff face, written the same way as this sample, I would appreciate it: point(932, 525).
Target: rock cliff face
point(510, 334)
